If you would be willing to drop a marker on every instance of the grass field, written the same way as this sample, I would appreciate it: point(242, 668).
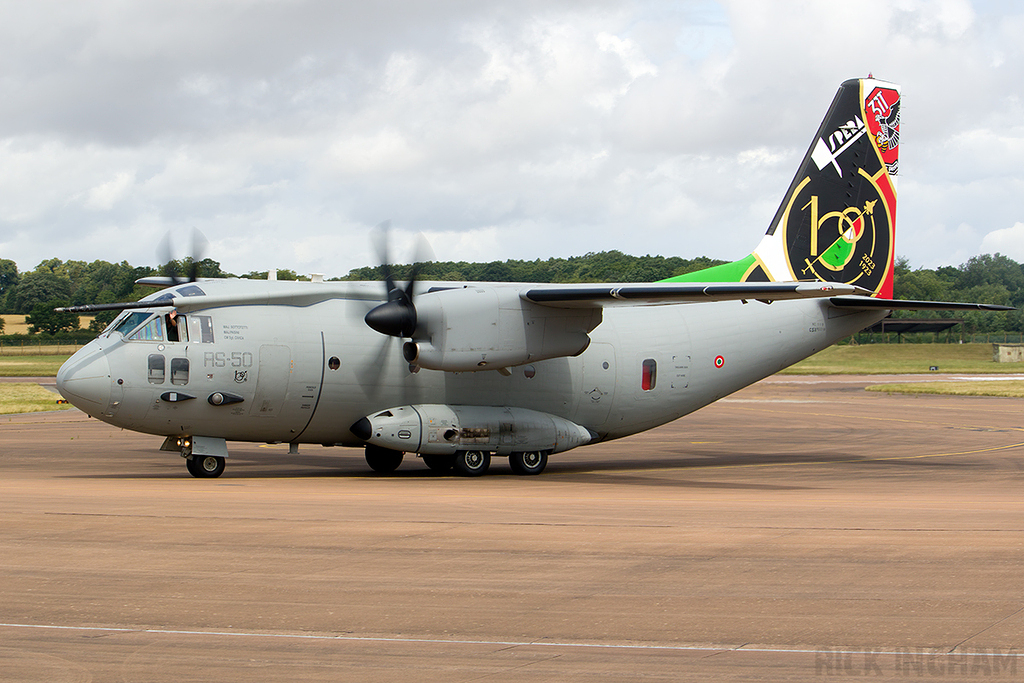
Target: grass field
point(25, 397)
point(901, 359)
point(15, 324)
point(31, 366)
point(64, 349)
point(1007, 388)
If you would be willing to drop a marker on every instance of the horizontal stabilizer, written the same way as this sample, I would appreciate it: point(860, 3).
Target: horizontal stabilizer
point(868, 303)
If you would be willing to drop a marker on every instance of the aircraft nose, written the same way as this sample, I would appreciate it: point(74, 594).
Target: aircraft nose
point(84, 380)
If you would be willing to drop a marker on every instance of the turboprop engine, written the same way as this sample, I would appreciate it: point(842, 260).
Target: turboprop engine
point(445, 430)
point(487, 328)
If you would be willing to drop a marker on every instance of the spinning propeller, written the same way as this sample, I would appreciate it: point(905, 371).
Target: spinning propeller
point(396, 317)
point(199, 244)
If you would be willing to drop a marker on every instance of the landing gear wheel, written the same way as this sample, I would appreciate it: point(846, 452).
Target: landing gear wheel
point(205, 466)
point(439, 463)
point(472, 463)
point(383, 460)
point(532, 462)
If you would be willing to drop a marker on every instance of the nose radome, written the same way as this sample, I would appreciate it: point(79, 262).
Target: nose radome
point(84, 380)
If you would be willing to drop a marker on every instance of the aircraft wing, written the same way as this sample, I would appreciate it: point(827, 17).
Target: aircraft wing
point(600, 295)
point(299, 296)
point(871, 303)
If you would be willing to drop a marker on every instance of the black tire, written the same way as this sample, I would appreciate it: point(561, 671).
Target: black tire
point(531, 462)
point(383, 460)
point(206, 466)
point(439, 463)
point(190, 465)
point(471, 463)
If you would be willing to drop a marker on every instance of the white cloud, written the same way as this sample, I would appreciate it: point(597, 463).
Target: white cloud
point(286, 129)
point(1007, 241)
point(104, 196)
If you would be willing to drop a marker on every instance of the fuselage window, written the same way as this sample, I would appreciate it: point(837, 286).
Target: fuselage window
point(202, 328)
point(649, 374)
point(156, 369)
point(177, 329)
point(179, 371)
point(151, 331)
point(334, 363)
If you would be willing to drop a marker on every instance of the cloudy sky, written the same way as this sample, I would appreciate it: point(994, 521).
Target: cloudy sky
point(285, 129)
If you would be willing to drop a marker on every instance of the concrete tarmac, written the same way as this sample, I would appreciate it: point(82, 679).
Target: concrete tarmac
point(800, 529)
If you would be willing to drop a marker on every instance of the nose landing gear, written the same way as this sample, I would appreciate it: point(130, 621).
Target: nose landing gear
point(204, 455)
point(205, 466)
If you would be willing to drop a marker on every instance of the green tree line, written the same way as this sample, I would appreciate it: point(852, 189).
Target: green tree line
point(605, 266)
point(988, 278)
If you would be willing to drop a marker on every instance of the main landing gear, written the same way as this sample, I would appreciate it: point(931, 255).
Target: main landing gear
point(439, 463)
point(463, 463)
point(532, 462)
point(383, 460)
point(472, 463)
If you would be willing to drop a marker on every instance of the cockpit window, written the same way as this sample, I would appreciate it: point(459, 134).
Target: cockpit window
point(201, 328)
point(177, 327)
point(129, 321)
point(151, 331)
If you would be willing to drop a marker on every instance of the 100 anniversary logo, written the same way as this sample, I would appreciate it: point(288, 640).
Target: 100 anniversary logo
point(838, 221)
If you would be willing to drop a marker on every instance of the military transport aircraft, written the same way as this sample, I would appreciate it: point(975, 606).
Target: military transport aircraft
point(459, 372)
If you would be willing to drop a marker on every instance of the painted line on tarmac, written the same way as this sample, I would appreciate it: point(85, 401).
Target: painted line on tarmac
point(521, 643)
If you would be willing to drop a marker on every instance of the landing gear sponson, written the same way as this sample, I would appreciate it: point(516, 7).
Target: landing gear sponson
point(463, 438)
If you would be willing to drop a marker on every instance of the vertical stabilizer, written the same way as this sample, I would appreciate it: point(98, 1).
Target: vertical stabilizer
point(837, 221)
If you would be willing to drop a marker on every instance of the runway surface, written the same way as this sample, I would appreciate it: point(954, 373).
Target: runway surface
point(800, 529)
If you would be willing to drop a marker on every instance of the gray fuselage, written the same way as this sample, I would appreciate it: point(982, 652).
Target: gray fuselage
point(305, 374)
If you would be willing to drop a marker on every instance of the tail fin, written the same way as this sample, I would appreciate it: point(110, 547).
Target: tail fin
point(837, 222)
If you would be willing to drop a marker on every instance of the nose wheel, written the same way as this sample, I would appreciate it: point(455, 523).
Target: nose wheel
point(205, 466)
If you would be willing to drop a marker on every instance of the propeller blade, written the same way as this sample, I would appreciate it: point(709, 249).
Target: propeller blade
point(199, 245)
point(422, 255)
point(171, 264)
point(371, 375)
point(163, 254)
point(396, 317)
point(380, 236)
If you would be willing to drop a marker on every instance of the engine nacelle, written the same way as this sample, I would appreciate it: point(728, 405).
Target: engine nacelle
point(486, 328)
point(434, 429)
